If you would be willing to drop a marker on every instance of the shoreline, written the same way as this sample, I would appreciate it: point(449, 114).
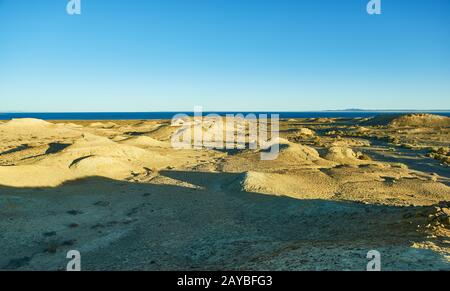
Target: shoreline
point(105, 116)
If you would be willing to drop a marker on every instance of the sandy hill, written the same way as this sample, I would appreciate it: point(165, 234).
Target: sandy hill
point(36, 127)
point(295, 150)
point(410, 120)
point(345, 156)
point(27, 122)
point(90, 155)
point(305, 185)
point(291, 155)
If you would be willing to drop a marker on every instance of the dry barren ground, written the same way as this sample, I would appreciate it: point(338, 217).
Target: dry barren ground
point(121, 195)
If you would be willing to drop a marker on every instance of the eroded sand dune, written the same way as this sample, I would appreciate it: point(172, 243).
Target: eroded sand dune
point(411, 120)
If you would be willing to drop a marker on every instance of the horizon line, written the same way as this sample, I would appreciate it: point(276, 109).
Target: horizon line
point(246, 111)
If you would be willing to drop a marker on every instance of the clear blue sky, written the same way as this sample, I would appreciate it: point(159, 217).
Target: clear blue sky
point(243, 55)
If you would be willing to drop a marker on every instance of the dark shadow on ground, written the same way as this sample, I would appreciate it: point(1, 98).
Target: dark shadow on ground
point(412, 158)
point(54, 148)
point(118, 225)
point(16, 149)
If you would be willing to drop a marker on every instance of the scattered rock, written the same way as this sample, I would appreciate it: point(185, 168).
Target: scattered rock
point(440, 215)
